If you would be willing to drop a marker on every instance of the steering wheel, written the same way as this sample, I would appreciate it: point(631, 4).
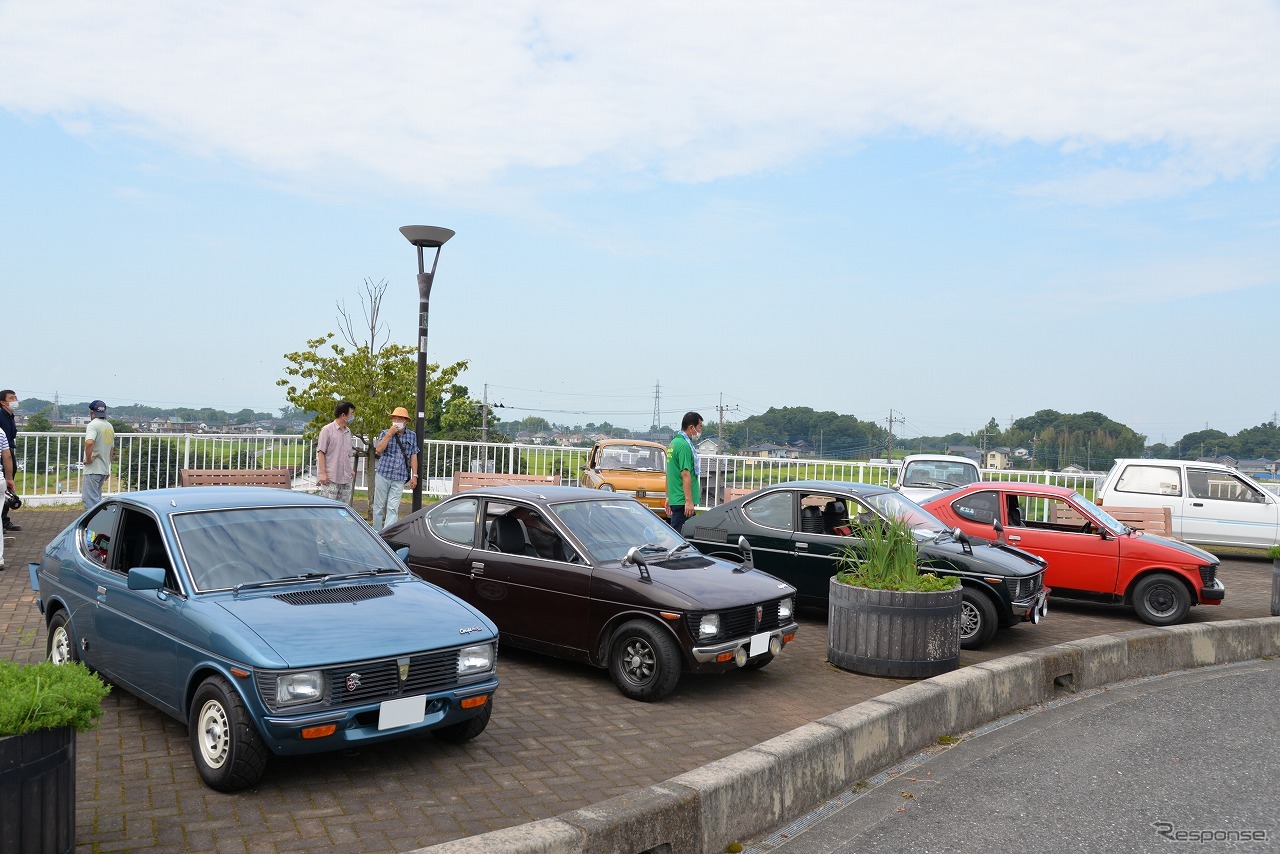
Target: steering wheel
point(240, 570)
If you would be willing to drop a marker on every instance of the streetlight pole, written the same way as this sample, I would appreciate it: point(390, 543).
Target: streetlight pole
point(423, 237)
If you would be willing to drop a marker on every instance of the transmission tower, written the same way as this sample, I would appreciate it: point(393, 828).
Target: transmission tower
point(657, 409)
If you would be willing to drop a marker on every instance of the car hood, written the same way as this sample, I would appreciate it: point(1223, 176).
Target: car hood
point(307, 626)
point(996, 558)
point(707, 584)
point(1191, 552)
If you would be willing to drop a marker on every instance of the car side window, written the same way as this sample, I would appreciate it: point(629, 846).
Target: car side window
point(772, 510)
point(1150, 480)
point(142, 545)
point(1220, 486)
point(96, 533)
point(455, 521)
point(979, 507)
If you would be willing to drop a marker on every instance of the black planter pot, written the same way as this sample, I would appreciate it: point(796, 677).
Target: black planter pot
point(38, 792)
point(890, 633)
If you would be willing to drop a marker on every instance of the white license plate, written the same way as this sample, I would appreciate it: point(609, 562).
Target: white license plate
point(759, 645)
point(402, 712)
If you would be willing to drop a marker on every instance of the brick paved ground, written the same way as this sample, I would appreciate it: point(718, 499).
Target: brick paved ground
point(561, 737)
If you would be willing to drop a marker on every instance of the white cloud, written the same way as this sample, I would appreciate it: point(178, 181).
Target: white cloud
point(447, 96)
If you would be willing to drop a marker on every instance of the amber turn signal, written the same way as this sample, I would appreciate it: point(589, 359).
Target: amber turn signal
point(472, 702)
point(319, 731)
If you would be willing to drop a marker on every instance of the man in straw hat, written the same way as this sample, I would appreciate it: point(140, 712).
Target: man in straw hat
point(397, 468)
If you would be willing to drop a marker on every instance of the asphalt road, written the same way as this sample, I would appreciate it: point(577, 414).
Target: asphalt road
point(1180, 762)
point(562, 737)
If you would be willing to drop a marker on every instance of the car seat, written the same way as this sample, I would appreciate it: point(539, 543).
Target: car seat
point(811, 520)
point(509, 537)
point(835, 519)
point(1015, 513)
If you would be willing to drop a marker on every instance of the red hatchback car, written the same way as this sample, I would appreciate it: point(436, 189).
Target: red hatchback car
point(1091, 555)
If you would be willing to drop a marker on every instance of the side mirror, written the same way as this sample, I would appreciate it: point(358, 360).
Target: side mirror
point(403, 554)
point(960, 537)
point(146, 578)
point(748, 560)
point(633, 558)
point(999, 529)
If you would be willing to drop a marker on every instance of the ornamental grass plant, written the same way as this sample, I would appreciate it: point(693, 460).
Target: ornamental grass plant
point(48, 696)
point(887, 560)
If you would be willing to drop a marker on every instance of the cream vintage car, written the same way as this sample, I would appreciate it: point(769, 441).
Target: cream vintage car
point(629, 467)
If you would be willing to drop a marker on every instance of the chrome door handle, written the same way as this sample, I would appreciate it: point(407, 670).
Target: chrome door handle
point(477, 568)
point(802, 545)
point(1015, 539)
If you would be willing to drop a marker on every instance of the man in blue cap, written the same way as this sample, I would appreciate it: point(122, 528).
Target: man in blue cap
point(99, 439)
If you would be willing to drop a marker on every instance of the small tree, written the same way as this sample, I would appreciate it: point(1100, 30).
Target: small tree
point(376, 376)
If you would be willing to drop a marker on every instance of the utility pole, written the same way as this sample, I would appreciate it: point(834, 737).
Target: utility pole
point(722, 409)
point(891, 420)
point(484, 415)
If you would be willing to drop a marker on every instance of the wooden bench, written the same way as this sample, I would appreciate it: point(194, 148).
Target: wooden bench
point(279, 478)
point(1153, 520)
point(464, 480)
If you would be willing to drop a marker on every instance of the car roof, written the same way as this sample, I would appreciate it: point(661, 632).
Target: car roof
point(1196, 463)
point(537, 492)
point(1008, 485)
point(940, 458)
point(217, 497)
point(603, 442)
point(859, 488)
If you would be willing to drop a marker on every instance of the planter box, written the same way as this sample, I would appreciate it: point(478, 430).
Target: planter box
point(38, 792)
point(889, 633)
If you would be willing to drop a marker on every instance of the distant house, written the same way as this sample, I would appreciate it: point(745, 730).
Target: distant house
point(997, 458)
point(1258, 465)
point(711, 445)
point(970, 451)
point(768, 450)
point(1072, 468)
point(1221, 459)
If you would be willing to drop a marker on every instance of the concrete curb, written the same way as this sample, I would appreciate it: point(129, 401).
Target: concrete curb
point(765, 786)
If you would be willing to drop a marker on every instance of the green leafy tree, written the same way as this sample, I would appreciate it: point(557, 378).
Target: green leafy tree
point(39, 423)
point(376, 376)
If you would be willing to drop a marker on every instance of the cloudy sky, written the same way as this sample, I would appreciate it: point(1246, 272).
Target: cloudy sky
point(951, 211)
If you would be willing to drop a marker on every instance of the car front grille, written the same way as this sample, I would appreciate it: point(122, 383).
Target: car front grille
point(1025, 588)
point(1208, 574)
point(362, 682)
point(738, 622)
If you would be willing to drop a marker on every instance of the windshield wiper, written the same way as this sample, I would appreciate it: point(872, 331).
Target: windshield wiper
point(366, 573)
point(285, 579)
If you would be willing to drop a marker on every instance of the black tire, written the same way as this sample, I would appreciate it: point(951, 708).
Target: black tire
point(228, 752)
point(978, 621)
point(61, 643)
point(1161, 599)
point(758, 663)
point(466, 730)
point(643, 661)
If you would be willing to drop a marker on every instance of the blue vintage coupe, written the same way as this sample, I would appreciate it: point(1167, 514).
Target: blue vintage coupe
point(270, 622)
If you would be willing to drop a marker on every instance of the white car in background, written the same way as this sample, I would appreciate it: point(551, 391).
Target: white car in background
point(1210, 504)
point(925, 475)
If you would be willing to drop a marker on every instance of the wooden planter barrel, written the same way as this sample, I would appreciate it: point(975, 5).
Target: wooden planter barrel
point(38, 792)
point(890, 633)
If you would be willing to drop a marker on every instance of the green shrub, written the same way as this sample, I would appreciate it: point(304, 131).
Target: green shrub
point(887, 560)
point(48, 696)
point(1274, 552)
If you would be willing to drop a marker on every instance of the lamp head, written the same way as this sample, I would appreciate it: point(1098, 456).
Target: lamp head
point(426, 236)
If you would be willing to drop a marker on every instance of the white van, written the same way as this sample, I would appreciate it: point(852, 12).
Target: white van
point(1210, 503)
point(925, 475)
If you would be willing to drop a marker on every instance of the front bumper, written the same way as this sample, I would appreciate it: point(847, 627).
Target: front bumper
point(1213, 593)
point(355, 725)
point(736, 653)
point(1034, 608)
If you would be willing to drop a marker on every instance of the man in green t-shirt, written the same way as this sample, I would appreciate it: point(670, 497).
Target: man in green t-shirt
point(682, 471)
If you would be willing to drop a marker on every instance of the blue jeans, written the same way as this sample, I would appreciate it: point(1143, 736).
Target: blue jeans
point(91, 490)
point(386, 501)
point(678, 518)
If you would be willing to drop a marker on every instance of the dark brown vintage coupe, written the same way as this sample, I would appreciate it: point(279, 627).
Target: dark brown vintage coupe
point(595, 577)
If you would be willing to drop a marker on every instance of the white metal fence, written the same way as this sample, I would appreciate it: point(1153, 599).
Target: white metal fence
point(49, 470)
